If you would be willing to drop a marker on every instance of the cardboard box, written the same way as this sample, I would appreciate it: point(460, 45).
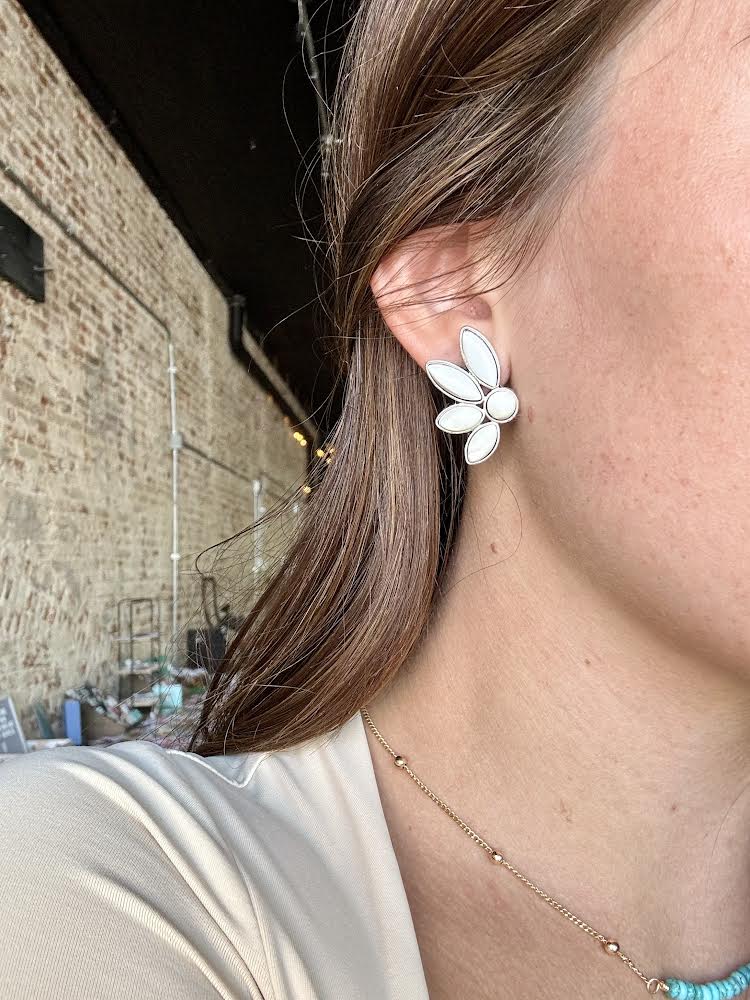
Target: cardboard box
point(96, 725)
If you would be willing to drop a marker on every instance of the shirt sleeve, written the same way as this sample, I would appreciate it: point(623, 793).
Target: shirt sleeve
point(92, 905)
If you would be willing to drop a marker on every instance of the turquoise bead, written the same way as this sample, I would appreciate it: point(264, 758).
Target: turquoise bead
point(720, 989)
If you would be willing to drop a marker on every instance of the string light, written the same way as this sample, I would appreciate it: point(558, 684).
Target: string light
point(300, 438)
point(326, 453)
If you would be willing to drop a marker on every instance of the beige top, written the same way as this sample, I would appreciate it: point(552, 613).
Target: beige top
point(137, 871)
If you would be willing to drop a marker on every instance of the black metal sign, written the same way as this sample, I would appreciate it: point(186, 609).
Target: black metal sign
point(11, 735)
point(21, 254)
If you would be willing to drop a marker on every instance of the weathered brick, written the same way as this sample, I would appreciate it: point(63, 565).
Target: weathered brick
point(85, 492)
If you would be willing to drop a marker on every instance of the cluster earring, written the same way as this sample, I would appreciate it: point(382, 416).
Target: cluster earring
point(476, 412)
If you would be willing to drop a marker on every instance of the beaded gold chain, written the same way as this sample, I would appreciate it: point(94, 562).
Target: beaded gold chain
point(680, 989)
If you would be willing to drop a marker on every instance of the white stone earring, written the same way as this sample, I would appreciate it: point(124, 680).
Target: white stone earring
point(475, 412)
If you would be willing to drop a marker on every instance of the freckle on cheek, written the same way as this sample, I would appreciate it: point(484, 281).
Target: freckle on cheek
point(530, 414)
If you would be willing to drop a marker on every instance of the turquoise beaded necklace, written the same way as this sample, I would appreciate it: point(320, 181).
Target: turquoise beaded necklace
point(733, 985)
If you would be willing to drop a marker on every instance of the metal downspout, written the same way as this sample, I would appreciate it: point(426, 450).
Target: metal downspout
point(175, 444)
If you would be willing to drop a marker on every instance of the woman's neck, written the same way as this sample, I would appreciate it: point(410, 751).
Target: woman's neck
point(606, 762)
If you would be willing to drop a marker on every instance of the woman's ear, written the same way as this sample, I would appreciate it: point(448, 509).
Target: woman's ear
point(421, 289)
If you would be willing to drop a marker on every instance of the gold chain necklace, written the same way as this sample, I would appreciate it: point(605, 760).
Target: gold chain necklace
point(681, 989)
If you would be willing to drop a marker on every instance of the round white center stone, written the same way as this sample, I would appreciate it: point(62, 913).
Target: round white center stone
point(501, 404)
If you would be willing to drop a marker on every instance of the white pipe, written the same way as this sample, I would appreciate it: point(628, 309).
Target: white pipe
point(257, 557)
point(175, 444)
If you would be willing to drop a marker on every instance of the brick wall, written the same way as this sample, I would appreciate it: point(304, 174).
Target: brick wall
point(85, 496)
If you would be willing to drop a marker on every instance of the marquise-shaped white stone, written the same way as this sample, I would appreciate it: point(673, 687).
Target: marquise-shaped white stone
point(481, 443)
point(479, 356)
point(460, 418)
point(501, 404)
point(454, 381)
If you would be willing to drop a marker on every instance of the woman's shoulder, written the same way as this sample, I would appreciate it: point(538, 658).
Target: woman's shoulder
point(132, 770)
point(116, 877)
point(131, 791)
point(261, 875)
point(164, 790)
point(205, 819)
point(130, 763)
point(177, 798)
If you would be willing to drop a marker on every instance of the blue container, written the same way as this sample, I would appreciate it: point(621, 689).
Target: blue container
point(72, 720)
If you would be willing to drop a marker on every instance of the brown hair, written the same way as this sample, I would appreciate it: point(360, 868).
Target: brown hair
point(447, 113)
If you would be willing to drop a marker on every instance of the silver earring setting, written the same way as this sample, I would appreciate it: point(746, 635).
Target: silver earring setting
point(475, 412)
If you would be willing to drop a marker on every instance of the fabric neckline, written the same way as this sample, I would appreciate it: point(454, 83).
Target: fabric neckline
point(407, 920)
